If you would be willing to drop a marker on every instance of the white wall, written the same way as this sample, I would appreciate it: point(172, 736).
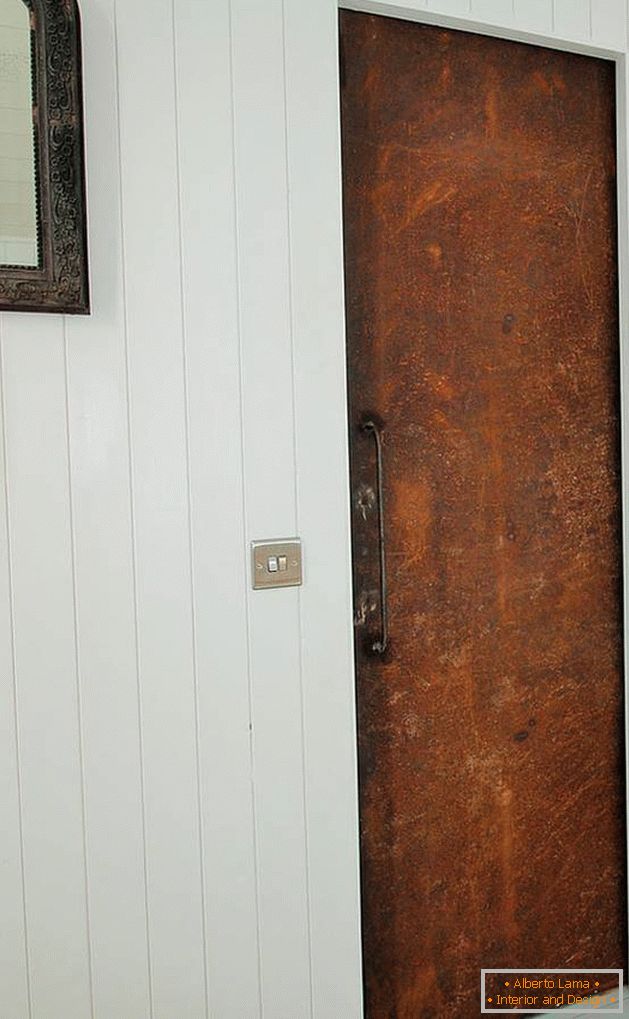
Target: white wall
point(177, 781)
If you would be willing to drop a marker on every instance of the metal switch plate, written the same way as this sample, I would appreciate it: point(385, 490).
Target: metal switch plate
point(276, 563)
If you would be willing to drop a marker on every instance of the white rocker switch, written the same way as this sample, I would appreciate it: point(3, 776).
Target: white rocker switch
point(276, 563)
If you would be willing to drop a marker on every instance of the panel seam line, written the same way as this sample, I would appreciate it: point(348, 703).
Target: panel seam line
point(243, 457)
point(291, 314)
point(191, 546)
point(132, 529)
point(77, 671)
point(16, 714)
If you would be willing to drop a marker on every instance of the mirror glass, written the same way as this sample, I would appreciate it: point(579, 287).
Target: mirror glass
point(18, 183)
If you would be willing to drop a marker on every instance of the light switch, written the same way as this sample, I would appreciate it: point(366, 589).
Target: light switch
point(276, 563)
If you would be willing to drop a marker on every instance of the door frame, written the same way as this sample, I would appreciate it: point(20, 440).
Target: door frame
point(315, 212)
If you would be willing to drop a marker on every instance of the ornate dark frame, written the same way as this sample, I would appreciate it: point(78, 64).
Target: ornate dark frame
point(60, 283)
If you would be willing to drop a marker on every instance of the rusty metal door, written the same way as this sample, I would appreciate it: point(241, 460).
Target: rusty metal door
point(480, 233)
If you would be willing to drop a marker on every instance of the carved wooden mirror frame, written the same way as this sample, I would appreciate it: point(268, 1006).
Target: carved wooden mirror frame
point(60, 282)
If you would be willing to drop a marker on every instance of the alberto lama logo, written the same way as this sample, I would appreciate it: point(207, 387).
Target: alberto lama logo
point(544, 990)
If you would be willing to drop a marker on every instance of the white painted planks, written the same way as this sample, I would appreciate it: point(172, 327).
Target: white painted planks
point(220, 563)
point(159, 462)
point(14, 976)
point(609, 23)
point(323, 510)
point(460, 8)
point(270, 511)
point(572, 20)
point(533, 15)
point(46, 679)
point(494, 12)
point(101, 521)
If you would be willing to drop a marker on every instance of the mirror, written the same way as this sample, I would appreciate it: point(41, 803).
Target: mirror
point(19, 228)
point(43, 249)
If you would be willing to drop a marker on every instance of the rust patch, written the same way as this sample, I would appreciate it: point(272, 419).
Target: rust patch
point(435, 252)
point(491, 109)
point(436, 193)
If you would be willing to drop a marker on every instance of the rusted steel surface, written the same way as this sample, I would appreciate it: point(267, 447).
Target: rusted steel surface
point(482, 331)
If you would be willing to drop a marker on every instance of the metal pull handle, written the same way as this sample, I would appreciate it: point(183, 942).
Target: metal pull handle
point(370, 427)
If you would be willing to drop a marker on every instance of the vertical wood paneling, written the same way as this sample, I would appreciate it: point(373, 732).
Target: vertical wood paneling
point(201, 405)
point(318, 329)
point(572, 19)
point(494, 12)
point(160, 499)
point(14, 991)
point(533, 15)
point(457, 7)
point(210, 287)
point(99, 471)
point(609, 23)
point(48, 717)
point(269, 458)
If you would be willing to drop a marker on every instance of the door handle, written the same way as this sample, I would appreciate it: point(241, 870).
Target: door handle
point(373, 429)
